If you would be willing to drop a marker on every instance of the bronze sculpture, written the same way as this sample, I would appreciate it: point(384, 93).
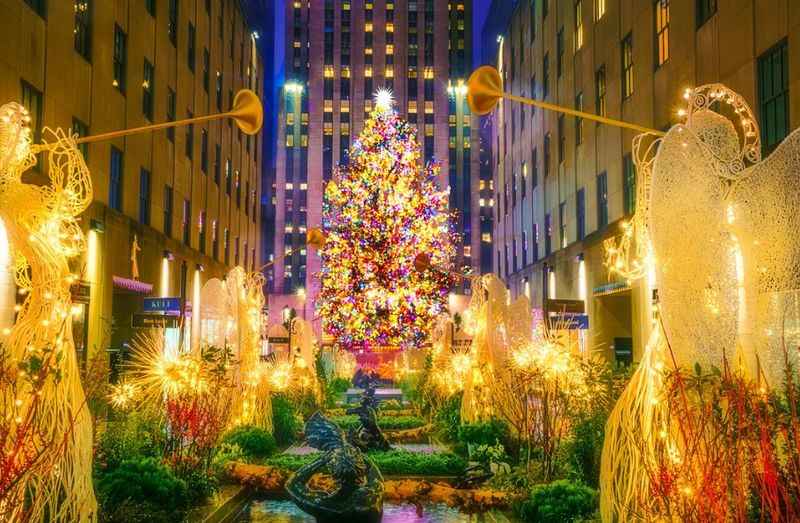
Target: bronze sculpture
point(358, 493)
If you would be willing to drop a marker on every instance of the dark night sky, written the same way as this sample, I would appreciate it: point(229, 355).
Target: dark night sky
point(479, 10)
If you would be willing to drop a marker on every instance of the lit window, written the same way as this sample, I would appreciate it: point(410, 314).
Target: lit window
point(389, 48)
point(289, 140)
point(486, 237)
point(412, 106)
point(289, 186)
point(303, 186)
point(345, 72)
point(428, 107)
point(368, 72)
point(428, 73)
point(328, 106)
point(662, 30)
point(578, 24)
point(389, 72)
point(345, 106)
point(599, 9)
point(328, 71)
point(368, 27)
point(390, 27)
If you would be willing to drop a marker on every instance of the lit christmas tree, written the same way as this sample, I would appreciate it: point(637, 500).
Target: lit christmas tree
point(380, 212)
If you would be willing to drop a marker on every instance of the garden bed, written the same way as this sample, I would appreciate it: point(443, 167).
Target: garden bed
point(390, 463)
point(349, 422)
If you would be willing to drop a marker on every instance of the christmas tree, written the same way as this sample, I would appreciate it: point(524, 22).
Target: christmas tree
point(380, 212)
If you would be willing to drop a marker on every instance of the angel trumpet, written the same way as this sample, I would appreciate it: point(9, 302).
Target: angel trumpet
point(247, 112)
point(485, 88)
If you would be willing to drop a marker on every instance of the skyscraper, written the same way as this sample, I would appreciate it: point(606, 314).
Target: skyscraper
point(338, 52)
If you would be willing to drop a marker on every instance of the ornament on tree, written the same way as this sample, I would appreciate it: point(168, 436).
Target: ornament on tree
point(379, 213)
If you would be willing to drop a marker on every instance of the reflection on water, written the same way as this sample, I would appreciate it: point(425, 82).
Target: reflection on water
point(278, 511)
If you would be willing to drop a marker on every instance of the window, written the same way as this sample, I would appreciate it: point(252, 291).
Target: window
point(120, 58)
point(545, 8)
point(204, 151)
point(171, 102)
point(547, 155)
point(524, 178)
point(559, 52)
point(172, 24)
point(627, 66)
point(579, 121)
point(578, 24)
point(562, 140)
point(81, 129)
point(599, 9)
point(187, 222)
point(150, 5)
point(227, 246)
point(201, 225)
point(190, 54)
point(206, 69)
point(628, 184)
point(705, 10)
point(37, 5)
point(662, 31)
point(115, 180)
point(217, 163)
point(773, 95)
point(548, 235)
point(219, 91)
point(533, 21)
point(562, 224)
point(214, 240)
point(580, 214)
point(32, 101)
point(602, 200)
point(600, 86)
point(144, 197)
point(228, 176)
point(546, 75)
point(189, 137)
point(83, 28)
point(534, 168)
point(147, 90)
point(168, 210)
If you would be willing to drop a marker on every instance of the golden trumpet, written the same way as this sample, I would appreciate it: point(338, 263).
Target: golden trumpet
point(247, 112)
point(485, 88)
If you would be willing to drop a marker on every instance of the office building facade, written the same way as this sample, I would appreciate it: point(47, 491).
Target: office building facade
point(563, 185)
point(182, 202)
point(338, 53)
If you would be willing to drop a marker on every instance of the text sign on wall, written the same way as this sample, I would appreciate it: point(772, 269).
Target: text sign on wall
point(154, 321)
point(162, 305)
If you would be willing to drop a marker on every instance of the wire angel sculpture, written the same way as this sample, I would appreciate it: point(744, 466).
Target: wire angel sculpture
point(718, 225)
point(46, 433)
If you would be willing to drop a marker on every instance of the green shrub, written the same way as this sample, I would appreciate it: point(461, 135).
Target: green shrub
point(253, 441)
point(561, 501)
point(402, 462)
point(226, 453)
point(286, 424)
point(584, 451)
point(133, 437)
point(143, 484)
point(390, 405)
point(391, 463)
point(485, 433)
point(201, 483)
point(384, 422)
point(448, 418)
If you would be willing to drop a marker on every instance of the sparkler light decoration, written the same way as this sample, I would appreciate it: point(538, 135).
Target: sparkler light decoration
point(45, 429)
point(379, 213)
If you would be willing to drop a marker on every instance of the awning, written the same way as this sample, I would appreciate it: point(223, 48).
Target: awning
point(134, 286)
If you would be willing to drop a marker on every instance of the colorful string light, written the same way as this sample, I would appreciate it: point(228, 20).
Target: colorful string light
point(379, 213)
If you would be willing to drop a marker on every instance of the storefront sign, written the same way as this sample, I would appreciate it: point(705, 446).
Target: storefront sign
point(154, 321)
point(162, 305)
point(570, 321)
point(565, 306)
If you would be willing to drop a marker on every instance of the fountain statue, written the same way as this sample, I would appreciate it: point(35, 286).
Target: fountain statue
point(358, 493)
point(368, 436)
